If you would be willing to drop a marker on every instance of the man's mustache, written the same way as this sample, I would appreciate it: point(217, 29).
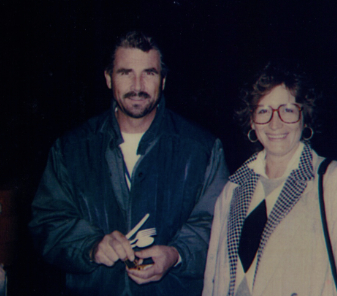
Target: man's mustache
point(141, 94)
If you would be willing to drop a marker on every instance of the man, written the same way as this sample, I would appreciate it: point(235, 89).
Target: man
point(102, 178)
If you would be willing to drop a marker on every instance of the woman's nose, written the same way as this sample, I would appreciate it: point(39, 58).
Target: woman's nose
point(276, 121)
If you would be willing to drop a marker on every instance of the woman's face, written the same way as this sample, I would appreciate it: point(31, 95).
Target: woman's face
point(278, 138)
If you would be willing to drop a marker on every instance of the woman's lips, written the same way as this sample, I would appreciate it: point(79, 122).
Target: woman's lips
point(276, 137)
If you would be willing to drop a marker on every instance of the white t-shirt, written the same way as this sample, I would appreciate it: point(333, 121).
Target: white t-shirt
point(129, 150)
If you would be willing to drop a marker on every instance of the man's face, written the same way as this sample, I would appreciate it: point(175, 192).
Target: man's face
point(136, 81)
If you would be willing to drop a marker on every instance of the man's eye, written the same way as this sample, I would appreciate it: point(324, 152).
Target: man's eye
point(151, 73)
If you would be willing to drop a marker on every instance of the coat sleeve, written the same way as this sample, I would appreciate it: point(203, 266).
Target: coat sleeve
point(193, 238)
point(212, 251)
point(59, 231)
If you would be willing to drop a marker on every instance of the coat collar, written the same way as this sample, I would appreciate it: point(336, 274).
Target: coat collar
point(304, 171)
point(246, 179)
point(150, 134)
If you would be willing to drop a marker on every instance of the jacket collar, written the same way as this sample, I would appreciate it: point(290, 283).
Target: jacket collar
point(150, 134)
point(247, 179)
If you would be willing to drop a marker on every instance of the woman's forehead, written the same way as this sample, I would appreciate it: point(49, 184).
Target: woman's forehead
point(279, 95)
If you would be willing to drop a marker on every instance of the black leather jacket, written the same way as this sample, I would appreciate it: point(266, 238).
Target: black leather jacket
point(83, 195)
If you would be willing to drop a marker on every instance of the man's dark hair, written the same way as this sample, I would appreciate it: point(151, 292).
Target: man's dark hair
point(138, 40)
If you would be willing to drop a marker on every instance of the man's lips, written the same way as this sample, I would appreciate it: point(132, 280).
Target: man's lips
point(136, 98)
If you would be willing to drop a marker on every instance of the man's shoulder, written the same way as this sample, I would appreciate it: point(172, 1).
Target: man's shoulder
point(92, 128)
point(186, 129)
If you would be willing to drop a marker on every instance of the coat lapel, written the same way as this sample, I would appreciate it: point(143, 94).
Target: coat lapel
point(242, 195)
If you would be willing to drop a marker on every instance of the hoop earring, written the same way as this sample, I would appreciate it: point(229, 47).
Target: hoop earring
point(250, 138)
point(311, 133)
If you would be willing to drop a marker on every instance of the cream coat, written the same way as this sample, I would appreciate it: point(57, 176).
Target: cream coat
point(294, 260)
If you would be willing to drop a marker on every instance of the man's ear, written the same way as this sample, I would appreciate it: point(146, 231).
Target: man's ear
point(163, 83)
point(108, 79)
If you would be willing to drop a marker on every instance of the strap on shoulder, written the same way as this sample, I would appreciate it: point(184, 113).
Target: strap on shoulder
point(321, 171)
point(323, 166)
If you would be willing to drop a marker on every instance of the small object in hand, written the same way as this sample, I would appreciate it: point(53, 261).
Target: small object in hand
point(138, 264)
point(131, 264)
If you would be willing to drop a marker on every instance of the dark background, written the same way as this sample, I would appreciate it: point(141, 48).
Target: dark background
point(52, 80)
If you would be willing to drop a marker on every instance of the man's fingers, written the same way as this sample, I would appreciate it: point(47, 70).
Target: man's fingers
point(146, 253)
point(105, 254)
point(141, 280)
point(101, 258)
point(121, 246)
point(114, 246)
point(164, 257)
point(144, 273)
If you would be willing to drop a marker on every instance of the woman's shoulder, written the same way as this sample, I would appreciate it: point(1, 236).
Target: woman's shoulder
point(317, 160)
point(331, 172)
point(226, 194)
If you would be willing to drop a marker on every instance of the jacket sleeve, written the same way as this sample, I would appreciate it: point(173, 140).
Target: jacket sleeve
point(213, 246)
point(193, 238)
point(61, 235)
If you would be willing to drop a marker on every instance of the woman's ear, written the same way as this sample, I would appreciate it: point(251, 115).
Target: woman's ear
point(252, 125)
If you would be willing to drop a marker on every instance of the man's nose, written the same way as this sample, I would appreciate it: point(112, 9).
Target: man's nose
point(137, 84)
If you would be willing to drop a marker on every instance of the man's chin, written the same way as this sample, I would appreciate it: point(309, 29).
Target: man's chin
point(140, 110)
point(137, 113)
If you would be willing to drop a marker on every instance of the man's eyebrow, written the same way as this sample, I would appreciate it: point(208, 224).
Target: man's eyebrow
point(123, 70)
point(153, 70)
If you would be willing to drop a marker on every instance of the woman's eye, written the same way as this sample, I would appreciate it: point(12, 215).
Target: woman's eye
point(262, 111)
point(289, 110)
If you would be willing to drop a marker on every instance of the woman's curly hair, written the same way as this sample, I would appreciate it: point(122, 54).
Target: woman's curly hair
point(278, 72)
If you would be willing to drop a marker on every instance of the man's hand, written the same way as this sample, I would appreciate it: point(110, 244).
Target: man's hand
point(164, 258)
point(112, 247)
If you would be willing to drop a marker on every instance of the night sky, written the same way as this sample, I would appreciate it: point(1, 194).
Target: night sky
point(53, 55)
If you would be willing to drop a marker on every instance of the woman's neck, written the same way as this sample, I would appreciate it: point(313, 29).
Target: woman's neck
point(277, 165)
point(275, 169)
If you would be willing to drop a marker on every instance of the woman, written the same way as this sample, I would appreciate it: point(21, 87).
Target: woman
point(267, 236)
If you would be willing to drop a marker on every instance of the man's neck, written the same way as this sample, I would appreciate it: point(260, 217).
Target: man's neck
point(131, 125)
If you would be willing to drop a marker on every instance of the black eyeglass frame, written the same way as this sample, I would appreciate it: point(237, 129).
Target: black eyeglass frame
point(300, 109)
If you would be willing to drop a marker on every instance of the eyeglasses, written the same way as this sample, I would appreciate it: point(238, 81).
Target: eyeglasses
point(288, 113)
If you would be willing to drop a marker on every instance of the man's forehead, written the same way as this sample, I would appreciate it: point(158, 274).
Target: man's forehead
point(130, 58)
